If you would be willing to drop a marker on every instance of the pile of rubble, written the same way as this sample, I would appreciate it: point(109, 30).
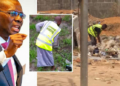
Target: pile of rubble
point(109, 48)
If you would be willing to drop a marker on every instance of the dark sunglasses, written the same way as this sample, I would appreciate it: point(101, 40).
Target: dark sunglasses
point(14, 13)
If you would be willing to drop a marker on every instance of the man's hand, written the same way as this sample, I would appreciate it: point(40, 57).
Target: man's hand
point(15, 42)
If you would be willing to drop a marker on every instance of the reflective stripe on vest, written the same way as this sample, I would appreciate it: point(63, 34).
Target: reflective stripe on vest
point(44, 42)
point(91, 29)
point(46, 36)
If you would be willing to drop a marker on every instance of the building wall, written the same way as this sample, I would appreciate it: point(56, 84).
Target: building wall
point(97, 8)
point(103, 8)
point(45, 5)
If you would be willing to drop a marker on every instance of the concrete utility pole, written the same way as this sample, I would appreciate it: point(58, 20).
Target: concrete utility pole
point(84, 41)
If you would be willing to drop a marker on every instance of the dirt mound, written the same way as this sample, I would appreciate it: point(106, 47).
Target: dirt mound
point(113, 26)
point(112, 22)
point(56, 12)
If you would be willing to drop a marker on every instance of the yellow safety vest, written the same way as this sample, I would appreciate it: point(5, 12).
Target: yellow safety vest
point(91, 29)
point(47, 34)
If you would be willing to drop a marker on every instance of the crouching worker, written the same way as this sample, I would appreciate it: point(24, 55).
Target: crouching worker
point(94, 32)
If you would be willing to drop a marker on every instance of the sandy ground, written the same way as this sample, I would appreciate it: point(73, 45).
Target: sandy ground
point(113, 25)
point(56, 12)
point(101, 73)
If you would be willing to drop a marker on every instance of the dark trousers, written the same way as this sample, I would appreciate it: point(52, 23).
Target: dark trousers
point(93, 40)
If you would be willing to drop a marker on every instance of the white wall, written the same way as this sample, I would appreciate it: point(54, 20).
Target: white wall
point(29, 7)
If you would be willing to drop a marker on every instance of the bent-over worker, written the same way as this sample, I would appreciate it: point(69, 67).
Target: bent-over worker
point(94, 31)
point(48, 34)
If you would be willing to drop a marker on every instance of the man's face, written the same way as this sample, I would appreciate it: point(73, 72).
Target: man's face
point(10, 24)
point(58, 23)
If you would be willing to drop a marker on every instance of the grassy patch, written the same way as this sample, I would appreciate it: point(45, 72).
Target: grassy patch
point(40, 68)
point(66, 18)
point(33, 36)
point(42, 17)
point(32, 26)
point(64, 32)
point(60, 61)
point(33, 54)
point(67, 41)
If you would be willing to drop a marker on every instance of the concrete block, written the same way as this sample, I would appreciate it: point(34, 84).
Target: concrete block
point(107, 1)
point(89, 1)
point(74, 4)
point(95, 13)
point(101, 1)
point(50, 2)
point(94, 1)
point(106, 6)
point(96, 6)
point(118, 7)
point(58, 1)
point(66, 6)
point(40, 7)
point(75, 23)
point(78, 39)
point(42, 2)
point(90, 6)
point(38, 2)
point(66, 1)
point(114, 0)
point(56, 6)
